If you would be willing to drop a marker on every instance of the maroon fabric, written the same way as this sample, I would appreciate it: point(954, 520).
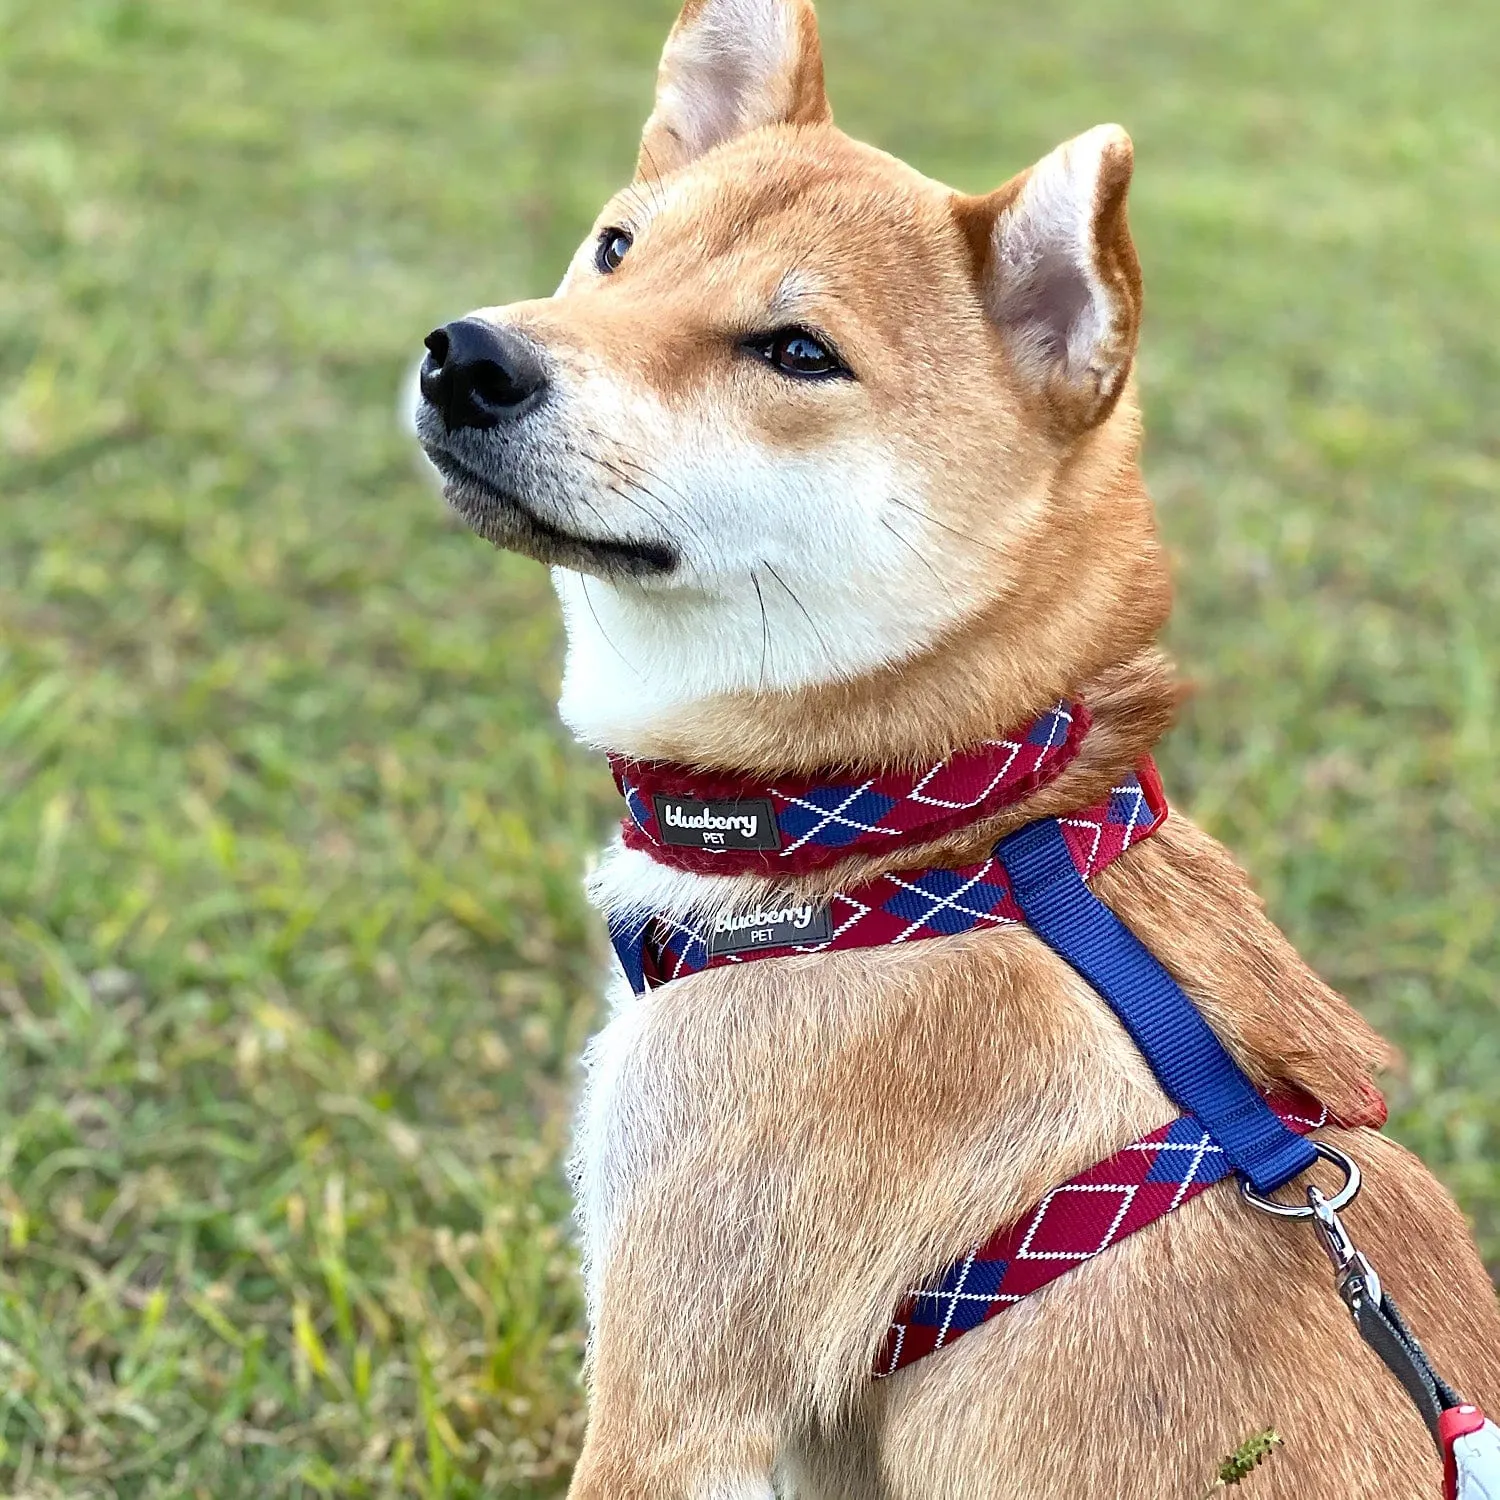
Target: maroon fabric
point(1074, 1223)
point(900, 907)
point(820, 820)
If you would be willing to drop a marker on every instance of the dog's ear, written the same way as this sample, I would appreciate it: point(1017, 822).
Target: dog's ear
point(730, 66)
point(1058, 272)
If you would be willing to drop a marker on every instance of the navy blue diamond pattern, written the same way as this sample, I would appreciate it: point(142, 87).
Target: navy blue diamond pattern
point(843, 812)
point(930, 901)
point(1186, 1154)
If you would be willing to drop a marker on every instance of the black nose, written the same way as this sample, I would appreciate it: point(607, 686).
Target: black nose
point(478, 376)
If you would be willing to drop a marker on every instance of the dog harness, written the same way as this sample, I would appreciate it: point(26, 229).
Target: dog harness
point(1038, 876)
point(1075, 1222)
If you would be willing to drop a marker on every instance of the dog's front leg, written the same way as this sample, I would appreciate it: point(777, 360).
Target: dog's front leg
point(682, 1406)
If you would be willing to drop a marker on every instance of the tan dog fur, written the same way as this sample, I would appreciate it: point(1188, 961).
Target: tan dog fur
point(771, 1155)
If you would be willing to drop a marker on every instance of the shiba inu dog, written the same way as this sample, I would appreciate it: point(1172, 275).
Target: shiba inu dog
point(838, 468)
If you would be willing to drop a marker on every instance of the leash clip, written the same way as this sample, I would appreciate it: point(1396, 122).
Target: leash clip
point(1353, 1274)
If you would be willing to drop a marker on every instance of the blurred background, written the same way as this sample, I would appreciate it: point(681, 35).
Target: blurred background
point(293, 960)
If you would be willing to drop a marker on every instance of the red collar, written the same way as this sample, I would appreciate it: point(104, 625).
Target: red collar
point(723, 824)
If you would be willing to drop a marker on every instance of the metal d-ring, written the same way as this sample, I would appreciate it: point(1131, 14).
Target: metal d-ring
point(1341, 1199)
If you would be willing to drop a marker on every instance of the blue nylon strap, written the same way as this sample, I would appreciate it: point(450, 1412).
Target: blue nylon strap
point(1187, 1057)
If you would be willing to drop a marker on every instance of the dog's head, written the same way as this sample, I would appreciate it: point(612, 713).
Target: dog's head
point(796, 412)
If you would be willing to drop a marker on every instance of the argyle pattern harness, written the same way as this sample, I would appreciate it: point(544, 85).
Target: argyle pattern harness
point(1082, 1218)
point(905, 905)
point(1036, 875)
point(819, 822)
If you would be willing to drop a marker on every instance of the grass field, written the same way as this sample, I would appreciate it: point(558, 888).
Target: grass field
point(293, 962)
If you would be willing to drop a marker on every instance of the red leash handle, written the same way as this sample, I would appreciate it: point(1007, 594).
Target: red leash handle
point(1471, 1454)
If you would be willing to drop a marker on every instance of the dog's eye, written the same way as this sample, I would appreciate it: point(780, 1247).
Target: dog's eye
point(795, 351)
point(613, 246)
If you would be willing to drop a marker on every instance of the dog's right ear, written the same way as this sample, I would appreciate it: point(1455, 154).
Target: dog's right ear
point(731, 66)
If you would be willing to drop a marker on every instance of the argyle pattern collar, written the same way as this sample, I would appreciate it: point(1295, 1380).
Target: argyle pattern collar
point(900, 907)
point(1082, 1218)
point(733, 825)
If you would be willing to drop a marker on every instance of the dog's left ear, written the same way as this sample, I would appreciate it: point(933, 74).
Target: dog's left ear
point(1058, 273)
point(731, 66)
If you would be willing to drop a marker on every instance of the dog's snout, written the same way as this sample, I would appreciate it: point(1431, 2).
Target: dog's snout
point(479, 376)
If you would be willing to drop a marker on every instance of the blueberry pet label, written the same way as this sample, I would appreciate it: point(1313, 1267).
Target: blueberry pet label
point(691, 824)
point(769, 927)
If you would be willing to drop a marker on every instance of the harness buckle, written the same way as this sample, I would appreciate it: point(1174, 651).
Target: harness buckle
point(1341, 1199)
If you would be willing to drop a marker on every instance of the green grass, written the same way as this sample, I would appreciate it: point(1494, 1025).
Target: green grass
point(293, 962)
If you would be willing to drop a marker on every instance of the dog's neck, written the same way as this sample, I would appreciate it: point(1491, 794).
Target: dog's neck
point(753, 677)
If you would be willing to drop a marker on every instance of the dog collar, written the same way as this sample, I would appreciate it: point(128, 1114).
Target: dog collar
point(900, 907)
point(734, 825)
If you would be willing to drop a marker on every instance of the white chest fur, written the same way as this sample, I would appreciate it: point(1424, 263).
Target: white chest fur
point(617, 1115)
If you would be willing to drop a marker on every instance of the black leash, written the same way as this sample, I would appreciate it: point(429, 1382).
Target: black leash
point(1467, 1442)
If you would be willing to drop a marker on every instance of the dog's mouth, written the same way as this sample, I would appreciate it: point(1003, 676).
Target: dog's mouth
point(503, 518)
